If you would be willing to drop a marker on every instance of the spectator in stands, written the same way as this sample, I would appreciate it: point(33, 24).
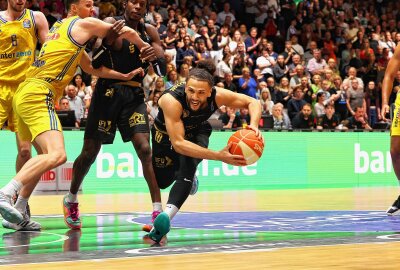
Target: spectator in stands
point(201, 50)
point(265, 100)
point(229, 118)
point(352, 74)
point(373, 104)
point(316, 65)
point(75, 103)
point(272, 88)
point(247, 84)
point(309, 95)
point(226, 13)
point(183, 73)
point(281, 120)
point(280, 69)
point(283, 92)
point(297, 76)
point(152, 107)
point(329, 120)
point(223, 67)
point(236, 39)
point(355, 97)
point(172, 79)
point(252, 42)
point(304, 119)
point(358, 120)
point(266, 63)
point(228, 82)
point(80, 85)
point(170, 41)
point(340, 99)
point(149, 81)
point(64, 104)
point(295, 104)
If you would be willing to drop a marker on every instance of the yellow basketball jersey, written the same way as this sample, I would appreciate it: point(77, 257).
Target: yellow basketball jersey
point(59, 57)
point(17, 47)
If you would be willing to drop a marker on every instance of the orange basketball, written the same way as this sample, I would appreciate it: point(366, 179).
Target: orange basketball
point(246, 143)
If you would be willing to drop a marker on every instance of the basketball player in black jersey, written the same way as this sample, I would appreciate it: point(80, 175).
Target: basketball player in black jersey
point(117, 103)
point(181, 132)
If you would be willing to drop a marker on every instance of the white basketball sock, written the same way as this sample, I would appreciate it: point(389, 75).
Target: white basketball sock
point(171, 210)
point(157, 206)
point(12, 188)
point(72, 198)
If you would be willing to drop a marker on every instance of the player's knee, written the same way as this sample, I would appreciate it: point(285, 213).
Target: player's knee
point(144, 153)
point(58, 158)
point(24, 153)
point(89, 155)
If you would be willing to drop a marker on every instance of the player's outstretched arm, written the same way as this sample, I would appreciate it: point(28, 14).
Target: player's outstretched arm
point(85, 29)
point(172, 114)
point(42, 26)
point(104, 72)
point(241, 101)
point(387, 84)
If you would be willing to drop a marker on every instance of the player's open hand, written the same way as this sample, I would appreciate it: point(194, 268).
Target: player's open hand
point(148, 53)
point(227, 157)
point(115, 31)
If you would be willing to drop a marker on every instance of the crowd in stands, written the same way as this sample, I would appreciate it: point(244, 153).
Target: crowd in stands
point(314, 64)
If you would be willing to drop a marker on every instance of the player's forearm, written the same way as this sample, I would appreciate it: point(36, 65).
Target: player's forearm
point(255, 112)
point(132, 36)
point(193, 150)
point(387, 85)
point(106, 73)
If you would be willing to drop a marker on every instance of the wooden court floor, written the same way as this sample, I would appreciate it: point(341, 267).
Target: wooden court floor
point(216, 230)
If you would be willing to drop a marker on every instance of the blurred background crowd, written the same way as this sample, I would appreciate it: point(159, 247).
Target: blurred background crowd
point(315, 64)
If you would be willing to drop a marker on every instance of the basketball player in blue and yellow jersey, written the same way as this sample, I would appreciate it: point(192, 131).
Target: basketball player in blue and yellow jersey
point(45, 81)
point(20, 30)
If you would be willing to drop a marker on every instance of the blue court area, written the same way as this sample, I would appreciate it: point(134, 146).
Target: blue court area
point(288, 221)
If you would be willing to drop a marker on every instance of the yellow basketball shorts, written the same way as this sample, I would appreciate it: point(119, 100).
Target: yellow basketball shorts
point(7, 114)
point(33, 104)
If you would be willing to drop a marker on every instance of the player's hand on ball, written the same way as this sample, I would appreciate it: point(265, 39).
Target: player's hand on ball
point(257, 131)
point(227, 157)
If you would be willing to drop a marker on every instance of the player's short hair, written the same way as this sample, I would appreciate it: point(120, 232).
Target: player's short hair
point(208, 65)
point(203, 72)
point(68, 3)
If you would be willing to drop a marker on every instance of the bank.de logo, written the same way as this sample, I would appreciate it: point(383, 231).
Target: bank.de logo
point(374, 162)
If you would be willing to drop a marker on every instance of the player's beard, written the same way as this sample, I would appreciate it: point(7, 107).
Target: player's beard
point(17, 8)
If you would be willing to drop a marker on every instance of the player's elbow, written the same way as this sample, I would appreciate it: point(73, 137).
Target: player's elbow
point(178, 146)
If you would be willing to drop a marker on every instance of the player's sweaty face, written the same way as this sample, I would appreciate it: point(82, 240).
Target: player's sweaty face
point(135, 9)
point(197, 93)
point(85, 8)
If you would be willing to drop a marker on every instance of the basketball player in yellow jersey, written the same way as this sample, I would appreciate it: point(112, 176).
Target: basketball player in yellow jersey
point(387, 87)
point(46, 79)
point(20, 29)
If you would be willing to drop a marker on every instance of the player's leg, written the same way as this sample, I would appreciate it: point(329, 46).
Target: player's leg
point(80, 168)
point(52, 144)
point(142, 147)
point(133, 125)
point(395, 152)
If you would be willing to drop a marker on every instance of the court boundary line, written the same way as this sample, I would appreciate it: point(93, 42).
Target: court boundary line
point(198, 253)
point(62, 238)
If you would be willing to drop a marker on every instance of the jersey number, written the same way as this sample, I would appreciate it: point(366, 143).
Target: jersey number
point(14, 40)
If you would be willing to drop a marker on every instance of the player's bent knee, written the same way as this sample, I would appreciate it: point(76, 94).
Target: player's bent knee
point(58, 158)
point(24, 153)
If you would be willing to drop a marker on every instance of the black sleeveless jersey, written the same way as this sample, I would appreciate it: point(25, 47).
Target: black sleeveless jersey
point(192, 120)
point(128, 57)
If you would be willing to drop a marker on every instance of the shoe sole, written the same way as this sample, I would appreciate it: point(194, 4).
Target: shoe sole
point(161, 227)
point(10, 214)
point(147, 228)
point(65, 209)
point(22, 229)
